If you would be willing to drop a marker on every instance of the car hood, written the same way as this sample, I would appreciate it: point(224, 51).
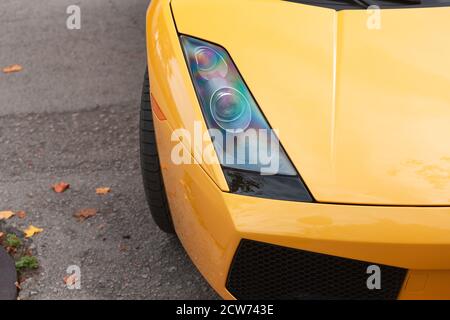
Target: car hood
point(363, 112)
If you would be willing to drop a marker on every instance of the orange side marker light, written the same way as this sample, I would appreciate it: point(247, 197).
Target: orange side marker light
point(156, 109)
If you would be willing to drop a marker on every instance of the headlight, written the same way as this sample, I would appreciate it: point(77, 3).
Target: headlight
point(248, 149)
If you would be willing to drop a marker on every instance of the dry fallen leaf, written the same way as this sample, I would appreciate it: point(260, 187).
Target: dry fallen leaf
point(17, 284)
point(12, 68)
point(70, 280)
point(31, 231)
point(60, 187)
point(21, 214)
point(85, 214)
point(5, 215)
point(2, 235)
point(11, 250)
point(102, 226)
point(103, 190)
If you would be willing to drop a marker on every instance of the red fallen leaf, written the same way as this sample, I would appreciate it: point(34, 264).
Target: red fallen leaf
point(103, 190)
point(21, 214)
point(60, 187)
point(11, 250)
point(12, 68)
point(85, 214)
point(70, 280)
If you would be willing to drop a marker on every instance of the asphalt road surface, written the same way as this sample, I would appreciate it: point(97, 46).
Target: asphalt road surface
point(72, 115)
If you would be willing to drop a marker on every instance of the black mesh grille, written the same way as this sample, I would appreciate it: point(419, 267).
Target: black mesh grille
point(266, 271)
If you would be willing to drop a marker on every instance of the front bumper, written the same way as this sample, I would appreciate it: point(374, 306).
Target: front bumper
point(211, 222)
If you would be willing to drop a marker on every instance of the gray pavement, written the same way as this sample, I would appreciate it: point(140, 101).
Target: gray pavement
point(72, 115)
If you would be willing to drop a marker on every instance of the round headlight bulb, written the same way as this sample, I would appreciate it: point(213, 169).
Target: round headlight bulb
point(230, 109)
point(210, 64)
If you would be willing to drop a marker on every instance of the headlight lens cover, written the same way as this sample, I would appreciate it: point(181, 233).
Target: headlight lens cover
point(247, 148)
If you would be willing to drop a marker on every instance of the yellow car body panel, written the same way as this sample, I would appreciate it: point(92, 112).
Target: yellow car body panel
point(210, 223)
point(178, 97)
point(362, 113)
point(321, 130)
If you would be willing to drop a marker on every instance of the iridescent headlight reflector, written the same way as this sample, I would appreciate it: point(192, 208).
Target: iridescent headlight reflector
point(229, 108)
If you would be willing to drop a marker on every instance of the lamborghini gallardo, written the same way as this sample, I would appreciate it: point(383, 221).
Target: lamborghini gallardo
point(301, 149)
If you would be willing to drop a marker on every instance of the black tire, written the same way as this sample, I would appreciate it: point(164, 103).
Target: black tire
point(150, 166)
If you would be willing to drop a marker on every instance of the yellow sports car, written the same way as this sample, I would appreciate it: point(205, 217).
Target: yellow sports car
point(301, 149)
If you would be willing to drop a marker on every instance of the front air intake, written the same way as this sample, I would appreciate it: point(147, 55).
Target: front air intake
point(265, 271)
